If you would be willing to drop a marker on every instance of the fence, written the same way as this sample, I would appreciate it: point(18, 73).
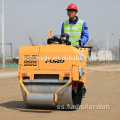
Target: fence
point(9, 65)
point(103, 62)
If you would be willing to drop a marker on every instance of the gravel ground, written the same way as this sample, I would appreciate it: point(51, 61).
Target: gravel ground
point(102, 101)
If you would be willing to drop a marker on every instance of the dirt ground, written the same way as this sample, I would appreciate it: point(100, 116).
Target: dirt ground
point(103, 88)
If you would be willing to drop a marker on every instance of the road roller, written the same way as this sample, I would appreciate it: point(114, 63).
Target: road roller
point(53, 75)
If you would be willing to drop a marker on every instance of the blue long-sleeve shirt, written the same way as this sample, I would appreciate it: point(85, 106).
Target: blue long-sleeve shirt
point(84, 35)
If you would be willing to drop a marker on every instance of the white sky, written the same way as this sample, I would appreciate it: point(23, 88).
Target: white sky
point(36, 17)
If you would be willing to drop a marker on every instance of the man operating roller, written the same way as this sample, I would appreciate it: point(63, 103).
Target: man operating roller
point(76, 28)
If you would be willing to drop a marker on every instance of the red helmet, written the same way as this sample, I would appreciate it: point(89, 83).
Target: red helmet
point(72, 6)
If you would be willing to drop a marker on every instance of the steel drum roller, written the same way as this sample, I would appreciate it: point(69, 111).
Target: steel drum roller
point(42, 94)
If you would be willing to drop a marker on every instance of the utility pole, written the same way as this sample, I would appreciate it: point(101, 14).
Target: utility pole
point(107, 55)
point(119, 50)
point(11, 47)
point(11, 51)
point(2, 29)
point(107, 49)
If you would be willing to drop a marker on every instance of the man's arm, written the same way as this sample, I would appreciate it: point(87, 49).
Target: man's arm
point(84, 35)
point(62, 29)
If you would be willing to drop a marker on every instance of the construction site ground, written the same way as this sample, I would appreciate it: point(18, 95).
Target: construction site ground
point(103, 88)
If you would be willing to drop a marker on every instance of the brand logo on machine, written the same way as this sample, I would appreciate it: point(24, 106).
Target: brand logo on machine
point(30, 60)
point(55, 61)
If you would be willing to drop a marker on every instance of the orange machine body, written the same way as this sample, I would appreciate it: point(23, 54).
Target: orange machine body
point(60, 59)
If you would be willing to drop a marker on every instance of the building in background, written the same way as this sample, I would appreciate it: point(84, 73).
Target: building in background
point(104, 55)
point(101, 55)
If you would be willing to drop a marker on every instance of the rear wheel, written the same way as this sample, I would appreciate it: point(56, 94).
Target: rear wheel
point(77, 96)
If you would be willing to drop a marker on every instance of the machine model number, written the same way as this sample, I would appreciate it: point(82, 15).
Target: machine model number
point(30, 60)
point(55, 61)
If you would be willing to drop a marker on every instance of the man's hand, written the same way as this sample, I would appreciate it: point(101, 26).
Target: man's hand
point(78, 46)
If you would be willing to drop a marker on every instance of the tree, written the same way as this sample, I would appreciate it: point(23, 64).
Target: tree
point(115, 51)
point(32, 39)
point(95, 46)
point(98, 46)
point(35, 40)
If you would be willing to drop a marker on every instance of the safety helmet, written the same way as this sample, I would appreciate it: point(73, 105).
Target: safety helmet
point(72, 6)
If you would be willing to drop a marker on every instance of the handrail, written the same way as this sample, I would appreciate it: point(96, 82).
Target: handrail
point(49, 34)
point(56, 94)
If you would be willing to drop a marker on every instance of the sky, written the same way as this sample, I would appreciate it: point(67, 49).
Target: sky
point(24, 18)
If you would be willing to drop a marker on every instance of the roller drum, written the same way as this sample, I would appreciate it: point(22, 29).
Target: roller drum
point(42, 94)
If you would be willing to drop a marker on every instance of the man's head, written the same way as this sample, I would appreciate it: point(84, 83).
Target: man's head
point(72, 10)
